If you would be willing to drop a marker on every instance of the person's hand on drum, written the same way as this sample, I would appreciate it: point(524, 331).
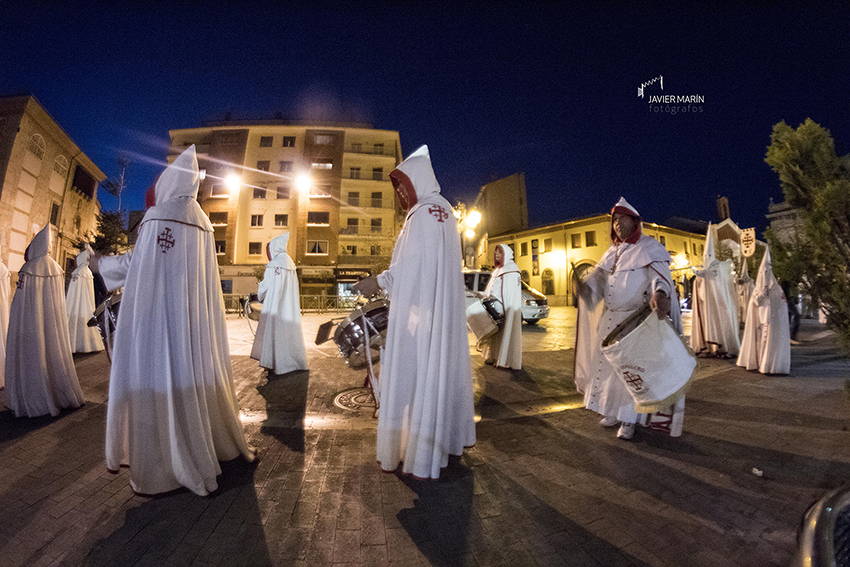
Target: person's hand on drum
point(367, 287)
point(660, 303)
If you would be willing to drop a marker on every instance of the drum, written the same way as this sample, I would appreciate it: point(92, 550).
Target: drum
point(106, 320)
point(652, 358)
point(485, 317)
point(350, 337)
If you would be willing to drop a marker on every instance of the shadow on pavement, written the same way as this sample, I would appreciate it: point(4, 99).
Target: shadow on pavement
point(286, 404)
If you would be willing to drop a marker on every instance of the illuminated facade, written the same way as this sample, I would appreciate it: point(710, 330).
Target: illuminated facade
point(45, 178)
point(547, 256)
point(343, 222)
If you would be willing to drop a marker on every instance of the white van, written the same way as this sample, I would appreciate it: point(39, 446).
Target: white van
point(534, 304)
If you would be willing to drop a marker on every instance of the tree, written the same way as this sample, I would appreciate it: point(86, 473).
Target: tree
point(816, 182)
point(110, 237)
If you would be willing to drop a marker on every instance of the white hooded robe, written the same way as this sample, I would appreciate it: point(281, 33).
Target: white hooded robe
point(40, 374)
point(714, 329)
point(426, 398)
point(79, 305)
point(504, 349)
point(172, 413)
point(767, 339)
point(5, 304)
point(279, 343)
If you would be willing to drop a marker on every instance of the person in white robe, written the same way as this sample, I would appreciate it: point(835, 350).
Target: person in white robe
point(79, 304)
point(279, 343)
point(634, 271)
point(714, 327)
point(767, 339)
point(425, 389)
point(745, 286)
point(5, 304)
point(40, 375)
point(504, 349)
point(172, 413)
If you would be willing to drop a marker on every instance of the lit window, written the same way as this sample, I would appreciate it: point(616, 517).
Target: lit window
point(285, 166)
point(263, 165)
point(283, 192)
point(320, 190)
point(256, 220)
point(259, 193)
point(60, 165)
point(323, 139)
point(218, 218)
point(376, 225)
point(266, 141)
point(219, 246)
point(317, 247)
point(318, 218)
point(289, 141)
point(36, 145)
point(355, 173)
point(281, 220)
point(323, 163)
point(576, 240)
point(354, 198)
point(255, 248)
point(590, 238)
point(377, 199)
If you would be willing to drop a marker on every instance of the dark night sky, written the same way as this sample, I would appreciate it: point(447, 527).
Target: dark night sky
point(492, 89)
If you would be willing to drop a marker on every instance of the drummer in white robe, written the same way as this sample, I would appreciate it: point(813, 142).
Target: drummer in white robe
point(5, 303)
point(279, 343)
point(767, 339)
point(426, 401)
point(172, 413)
point(504, 349)
point(79, 304)
point(40, 374)
point(714, 328)
point(634, 271)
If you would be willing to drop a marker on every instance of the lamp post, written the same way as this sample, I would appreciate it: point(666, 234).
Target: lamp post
point(466, 223)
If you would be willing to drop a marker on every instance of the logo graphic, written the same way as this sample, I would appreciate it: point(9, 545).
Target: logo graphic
point(669, 103)
point(659, 78)
point(165, 240)
point(748, 242)
point(633, 380)
point(439, 212)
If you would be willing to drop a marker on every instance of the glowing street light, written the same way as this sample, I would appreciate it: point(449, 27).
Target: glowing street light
point(303, 182)
point(470, 233)
point(233, 182)
point(472, 219)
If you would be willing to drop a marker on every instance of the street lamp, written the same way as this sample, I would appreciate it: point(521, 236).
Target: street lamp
point(466, 223)
point(233, 182)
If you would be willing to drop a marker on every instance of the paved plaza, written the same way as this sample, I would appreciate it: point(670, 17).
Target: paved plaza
point(544, 485)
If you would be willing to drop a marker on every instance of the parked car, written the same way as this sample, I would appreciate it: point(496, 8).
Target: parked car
point(534, 304)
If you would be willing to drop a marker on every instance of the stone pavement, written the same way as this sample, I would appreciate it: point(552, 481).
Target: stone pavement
point(545, 485)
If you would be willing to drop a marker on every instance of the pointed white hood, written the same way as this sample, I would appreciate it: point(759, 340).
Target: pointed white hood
point(277, 246)
point(507, 255)
point(416, 175)
point(765, 278)
point(708, 254)
point(37, 255)
point(176, 191)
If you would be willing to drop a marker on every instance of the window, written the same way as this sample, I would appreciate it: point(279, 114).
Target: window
point(376, 225)
point(351, 226)
point(256, 220)
point(54, 214)
point(377, 199)
point(548, 282)
point(36, 145)
point(357, 148)
point(590, 238)
point(266, 141)
point(60, 165)
point(259, 193)
point(354, 198)
point(255, 248)
point(547, 244)
point(378, 149)
point(318, 218)
point(219, 218)
point(281, 220)
point(523, 249)
point(289, 141)
point(323, 163)
point(219, 246)
point(285, 166)
point(84, 182)
point(663, 240)
point(323, 139)
point(576, 240)
point(219, 190)
point(375, 250)
point(351, 250)
point(378, 173)
point(354, 173)
point(702, 249)
point(320, 190)
point(283, 192)
point(263, 165)
point(694, 244)
point(317, 247)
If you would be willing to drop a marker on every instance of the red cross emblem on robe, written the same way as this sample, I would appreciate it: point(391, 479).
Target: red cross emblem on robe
point(633, 380)
point(165, 240)
point(438, 212)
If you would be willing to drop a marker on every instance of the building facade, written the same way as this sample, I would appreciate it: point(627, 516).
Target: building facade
point(45, 178)
point(327, 184)
point(549, 256)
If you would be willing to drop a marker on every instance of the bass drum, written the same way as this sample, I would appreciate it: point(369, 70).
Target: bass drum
point(350, 337)
point(106, 320)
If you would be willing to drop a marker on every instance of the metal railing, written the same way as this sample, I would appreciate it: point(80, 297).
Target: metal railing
point(327, 303)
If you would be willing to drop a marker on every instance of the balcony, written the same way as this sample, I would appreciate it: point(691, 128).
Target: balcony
point(348, 230)
point(387, 150)
point(365, 175)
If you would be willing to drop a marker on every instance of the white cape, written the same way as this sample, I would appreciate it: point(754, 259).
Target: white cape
point(40, 374)
point(426, 400)
point(279, 344)
point(5, 304)
point(504, 349)
point(79, 305)
point(172, 413)
point(715, 314)
point(767, 339)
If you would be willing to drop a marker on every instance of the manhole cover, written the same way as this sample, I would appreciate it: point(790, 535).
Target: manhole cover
point(355, 399)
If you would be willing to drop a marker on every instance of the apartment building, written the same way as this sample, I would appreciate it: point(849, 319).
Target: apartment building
point(327, 184)
point(44, 178)
point(548, 256)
